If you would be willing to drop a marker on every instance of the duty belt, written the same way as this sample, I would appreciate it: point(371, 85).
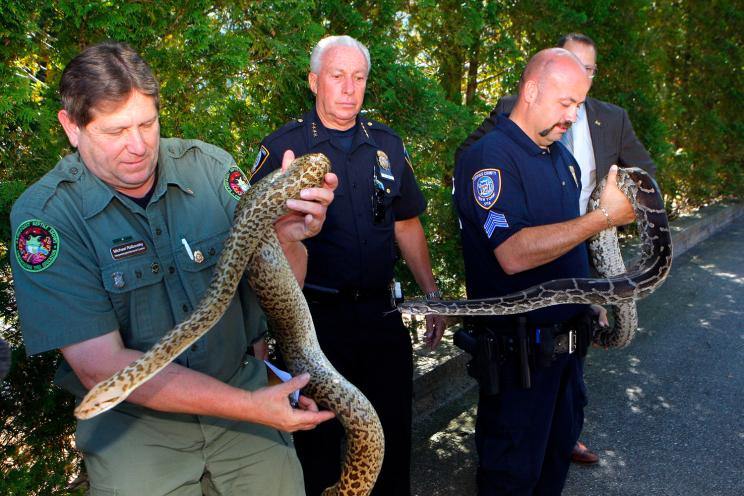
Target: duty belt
point(564, 337)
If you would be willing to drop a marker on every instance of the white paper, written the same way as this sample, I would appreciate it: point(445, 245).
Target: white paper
point(284, 376)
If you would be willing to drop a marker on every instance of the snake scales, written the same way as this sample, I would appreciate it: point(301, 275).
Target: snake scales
point(252, 245)
point(619, 288)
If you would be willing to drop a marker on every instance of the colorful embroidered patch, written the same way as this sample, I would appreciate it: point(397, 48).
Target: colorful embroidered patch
point(36, 245)
point(128, 250)
point(235, 182)
point(487, 187)
point(494, 220)
point(263, 154)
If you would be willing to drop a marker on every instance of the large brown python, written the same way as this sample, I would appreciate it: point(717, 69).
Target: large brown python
point(296, 337)
point(607, 258)
point(616, 289)
point(252, 246)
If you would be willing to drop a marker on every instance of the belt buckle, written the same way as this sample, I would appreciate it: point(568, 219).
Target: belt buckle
point(571, 341)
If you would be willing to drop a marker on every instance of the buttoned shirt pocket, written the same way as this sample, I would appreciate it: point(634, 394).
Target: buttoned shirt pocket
point(139, 300)
point(197, 268)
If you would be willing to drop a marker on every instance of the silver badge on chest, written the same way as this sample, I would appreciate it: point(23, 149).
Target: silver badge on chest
point(383, 163)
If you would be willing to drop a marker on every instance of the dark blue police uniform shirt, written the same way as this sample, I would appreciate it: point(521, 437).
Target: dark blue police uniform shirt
point(503, 183)
point(351, 251)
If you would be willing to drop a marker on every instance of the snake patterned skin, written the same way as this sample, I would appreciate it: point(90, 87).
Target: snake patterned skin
point(4, 358)
point(277, 290)
point(607, 258)
point(252, 246)
point(624, 288)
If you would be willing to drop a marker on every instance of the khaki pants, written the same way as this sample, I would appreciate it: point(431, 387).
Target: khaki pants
point(137, 452)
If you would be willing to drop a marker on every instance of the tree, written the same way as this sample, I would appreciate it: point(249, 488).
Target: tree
point(233, 71)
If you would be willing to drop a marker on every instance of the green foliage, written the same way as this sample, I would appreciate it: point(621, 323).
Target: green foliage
point(233, 71)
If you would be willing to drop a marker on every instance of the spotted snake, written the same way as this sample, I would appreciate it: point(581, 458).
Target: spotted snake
point(252, 246)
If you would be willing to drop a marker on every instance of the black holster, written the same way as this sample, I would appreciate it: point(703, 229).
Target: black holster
point(484, 366)
point(545, 346)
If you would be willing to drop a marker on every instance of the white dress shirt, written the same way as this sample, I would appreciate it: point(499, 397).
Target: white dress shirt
point(579, 142)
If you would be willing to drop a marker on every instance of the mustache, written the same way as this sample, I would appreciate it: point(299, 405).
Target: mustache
point(566, 124)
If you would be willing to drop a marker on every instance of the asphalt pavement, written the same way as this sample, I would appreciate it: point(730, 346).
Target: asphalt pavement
point(664, 414)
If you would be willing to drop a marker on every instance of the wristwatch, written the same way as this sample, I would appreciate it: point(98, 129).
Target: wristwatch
point(433, 295)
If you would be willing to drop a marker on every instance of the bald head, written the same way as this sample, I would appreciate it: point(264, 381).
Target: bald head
point(552, 87)
point(549, 62)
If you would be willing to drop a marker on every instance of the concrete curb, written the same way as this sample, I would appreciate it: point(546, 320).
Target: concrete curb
point(439, 376)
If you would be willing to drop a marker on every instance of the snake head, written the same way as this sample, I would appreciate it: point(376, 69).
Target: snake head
point(313, 168)
point(103, 397)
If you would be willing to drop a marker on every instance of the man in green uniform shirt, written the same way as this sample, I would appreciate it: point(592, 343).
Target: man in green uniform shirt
point(115, 246)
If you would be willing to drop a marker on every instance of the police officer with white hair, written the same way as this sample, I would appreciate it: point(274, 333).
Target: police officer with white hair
point(350, 266)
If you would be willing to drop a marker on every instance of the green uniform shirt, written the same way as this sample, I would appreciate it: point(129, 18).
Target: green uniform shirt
point(88, 260)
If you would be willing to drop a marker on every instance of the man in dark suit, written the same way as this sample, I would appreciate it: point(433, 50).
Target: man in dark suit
point(601, 136)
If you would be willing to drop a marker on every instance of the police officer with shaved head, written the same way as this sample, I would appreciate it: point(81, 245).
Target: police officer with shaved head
point(517, 195)
point(601, 136)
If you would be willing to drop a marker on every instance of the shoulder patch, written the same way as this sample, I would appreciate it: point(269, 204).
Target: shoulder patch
point(235, 182)
point(487, 187)
point(263, 154)
point(36, 245)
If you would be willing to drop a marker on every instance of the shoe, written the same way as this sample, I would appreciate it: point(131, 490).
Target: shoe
point(582, 454)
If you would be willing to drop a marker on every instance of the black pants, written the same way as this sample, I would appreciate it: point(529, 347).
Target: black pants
point(524, 437)
point(368, 344)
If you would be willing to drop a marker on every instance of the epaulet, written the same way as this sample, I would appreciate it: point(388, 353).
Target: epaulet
point(376, 126)
point(67, 170)
point(38, 194)
point(177, 148)
point(290, 126)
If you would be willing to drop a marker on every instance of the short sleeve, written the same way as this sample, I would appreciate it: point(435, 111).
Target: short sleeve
point(492, 196)
point(61, 300)
point(411, 202)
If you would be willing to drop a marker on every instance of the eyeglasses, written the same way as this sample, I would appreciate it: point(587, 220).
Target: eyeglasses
point(591, 70)
point(378, 201)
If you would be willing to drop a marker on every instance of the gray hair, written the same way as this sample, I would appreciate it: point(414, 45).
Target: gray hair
point(316, 57)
